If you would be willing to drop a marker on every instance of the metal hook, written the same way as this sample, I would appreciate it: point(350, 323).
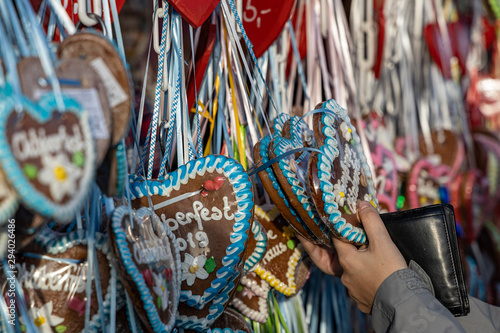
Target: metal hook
point(86, 15)
point(98, 20)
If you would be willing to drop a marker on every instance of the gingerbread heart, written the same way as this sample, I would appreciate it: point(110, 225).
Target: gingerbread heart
point(190, 318)
point(102, 55)
point(50, 156)
point(291, 173)
point(211, 227)
point(54, 280)
point(386, 178)
point(231, 322)
point(251, 297)
point(279, 264)
point(448, 146)
point(339, 176)
point(276, 193)
point(424, 181)
point(79, 81)
point(195, 12)
point(256, 246)
point(149, 265)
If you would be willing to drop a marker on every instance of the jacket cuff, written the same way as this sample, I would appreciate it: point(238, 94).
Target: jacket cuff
point(394, 291)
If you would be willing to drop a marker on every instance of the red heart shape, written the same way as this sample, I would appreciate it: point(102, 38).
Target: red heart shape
point(218, 182)
point(195, 12)
point(264, 20)
point(209, 185)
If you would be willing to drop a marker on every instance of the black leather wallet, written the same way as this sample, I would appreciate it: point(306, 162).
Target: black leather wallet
point(428, 236)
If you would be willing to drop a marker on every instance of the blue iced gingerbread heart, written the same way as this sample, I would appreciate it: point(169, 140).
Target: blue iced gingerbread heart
point(48, 156)
point(149, 265)
point(208, 205)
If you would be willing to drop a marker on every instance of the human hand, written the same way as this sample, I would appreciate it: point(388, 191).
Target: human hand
point(324, 258)
point(365, 269)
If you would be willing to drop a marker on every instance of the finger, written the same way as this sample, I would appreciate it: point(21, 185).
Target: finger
point(372, 223)
point(321, 256)
point(344, 249)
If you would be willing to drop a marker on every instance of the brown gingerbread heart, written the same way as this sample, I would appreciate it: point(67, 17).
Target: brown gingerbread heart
point(53, 278)
point(98, 51)
point(79, 81)
point(251, 297)
point(211, 227)
point(149, 265)
point(279, 265)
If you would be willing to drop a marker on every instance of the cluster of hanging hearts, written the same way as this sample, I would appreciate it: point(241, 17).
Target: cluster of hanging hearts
point(201, 213)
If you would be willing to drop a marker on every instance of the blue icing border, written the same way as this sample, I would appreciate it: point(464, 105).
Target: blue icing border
point(279, 121)
point(324, 166)
point(281, 146)
point(215, 310)
point(242, 188)
point(78, 237)
point(260, 248)
point(264, 154)
point(28, 194)
point(137, 278)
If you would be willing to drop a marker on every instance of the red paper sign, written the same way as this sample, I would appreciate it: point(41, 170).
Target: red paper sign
point(264, 20)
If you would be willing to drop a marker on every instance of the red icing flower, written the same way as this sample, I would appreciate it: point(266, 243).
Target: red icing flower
point(167, 272)
point(148, 277)
point(76, 304)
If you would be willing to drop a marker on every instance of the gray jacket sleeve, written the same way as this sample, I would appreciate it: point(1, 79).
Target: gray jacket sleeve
point(482, 318)
point(404, 303)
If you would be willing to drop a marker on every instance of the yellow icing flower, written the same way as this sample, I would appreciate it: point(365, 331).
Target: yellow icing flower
point(288, 232)
point(44, 319)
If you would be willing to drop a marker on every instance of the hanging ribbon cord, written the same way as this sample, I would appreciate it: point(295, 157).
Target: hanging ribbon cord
point(33, 29)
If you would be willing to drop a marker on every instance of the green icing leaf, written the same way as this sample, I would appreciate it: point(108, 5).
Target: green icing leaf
point(23, 328)
point(347, 210)
point(78, 159)
point(239, 288)
point(61, 329)
point(30, 170)
point(158, 302)
point(290, 244)
point(210, 265)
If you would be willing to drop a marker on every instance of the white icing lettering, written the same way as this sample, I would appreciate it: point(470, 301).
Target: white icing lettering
point(204, 214)
point(271, 235)
point(182, 244)
point(35, 143)
point(227, 209)
point(275, 251)
point(190, 240)
point(217, 214)
point(67, 279)
point(202, 237)
point(150, 251)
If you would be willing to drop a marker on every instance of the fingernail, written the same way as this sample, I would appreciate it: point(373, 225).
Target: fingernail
point(363, 205)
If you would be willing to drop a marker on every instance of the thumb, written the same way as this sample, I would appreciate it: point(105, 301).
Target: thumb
point(372, 223)
point(343, 248)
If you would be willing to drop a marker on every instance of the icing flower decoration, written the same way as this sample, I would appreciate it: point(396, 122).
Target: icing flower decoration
point(370, 200)
point(59, 174)
point(78, 305)
point(339, 193)
point(161, 291)
point(346, 131)
point(44, 319)
point(192, 268)
point(167, 272)
point(288, 232)
point(247, 292)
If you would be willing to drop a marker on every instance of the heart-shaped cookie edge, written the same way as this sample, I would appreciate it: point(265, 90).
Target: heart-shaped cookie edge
point(242, 188)
point(346, 230)
point(137, 278)
point(61, 244)
point(28, 194)
point(260, 248)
